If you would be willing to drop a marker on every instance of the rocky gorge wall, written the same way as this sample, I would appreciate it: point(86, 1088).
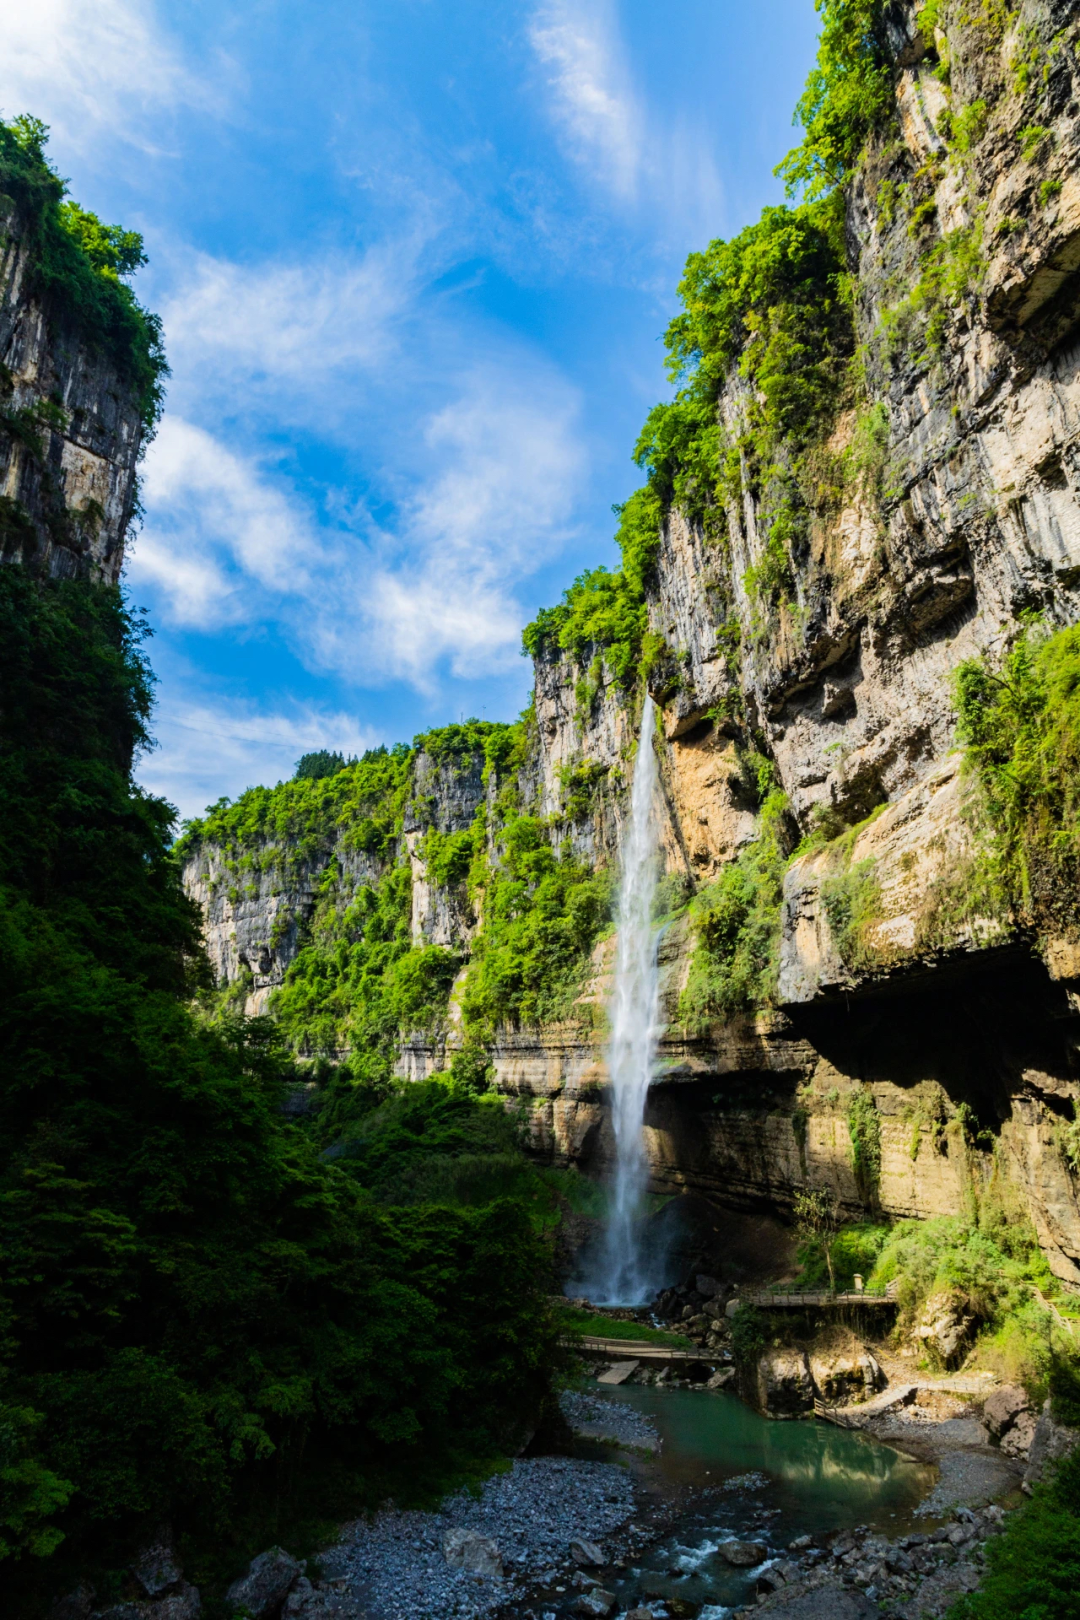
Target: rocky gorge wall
point(71, 427)
point(935, 1065)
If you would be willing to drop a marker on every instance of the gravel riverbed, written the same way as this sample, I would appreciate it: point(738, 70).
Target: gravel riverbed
point(395, 1566)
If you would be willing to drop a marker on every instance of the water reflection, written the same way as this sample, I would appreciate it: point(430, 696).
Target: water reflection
point(817, 1478)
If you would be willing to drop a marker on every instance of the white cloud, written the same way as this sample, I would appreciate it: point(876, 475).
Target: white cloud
point(237, 335)
point(595, 106)
point(220, 539)
point(93, 71)
point(503, 466)
point(206, 751)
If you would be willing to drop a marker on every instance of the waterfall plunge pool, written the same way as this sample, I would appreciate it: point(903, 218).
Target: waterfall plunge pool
point(802, 1477)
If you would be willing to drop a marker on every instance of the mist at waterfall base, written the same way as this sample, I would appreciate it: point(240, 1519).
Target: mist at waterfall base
point(628, 1265)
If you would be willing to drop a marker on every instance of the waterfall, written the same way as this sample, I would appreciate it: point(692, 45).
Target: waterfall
point(635, 1028)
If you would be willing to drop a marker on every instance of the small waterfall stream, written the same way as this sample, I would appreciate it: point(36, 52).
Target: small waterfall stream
point(621, 1278)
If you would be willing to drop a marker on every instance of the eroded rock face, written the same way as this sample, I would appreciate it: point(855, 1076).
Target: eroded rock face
point(945, 1327)
point(937, 1016)
point(785, 1388)
point(70, 433)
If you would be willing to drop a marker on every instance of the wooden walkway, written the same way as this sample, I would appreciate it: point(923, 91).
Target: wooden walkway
point(795, 1302)
point(854, 1417)
point(640, 1350)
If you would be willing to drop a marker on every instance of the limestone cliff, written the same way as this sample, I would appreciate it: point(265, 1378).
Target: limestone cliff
point(80, 365)
point(931, 1051)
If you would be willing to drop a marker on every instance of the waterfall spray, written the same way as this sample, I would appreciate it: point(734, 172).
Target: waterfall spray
point(635, 1028)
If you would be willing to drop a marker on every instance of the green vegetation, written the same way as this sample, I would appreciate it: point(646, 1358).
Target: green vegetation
point(737, 918)
point(79, 266)
point(312, 767)
point(864, 1129)
point(835, 1255)
point(990, 1262)
point(543, 912)
point(586, 1325)
point(1021, 724)
point(847, 96)
point(1033, 1568)
point(204, 1322)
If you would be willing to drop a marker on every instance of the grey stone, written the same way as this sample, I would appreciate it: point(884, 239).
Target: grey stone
point(263, 1589)
point(743, 1554)
point(721, 1378)
point(586, 1552)
point(156, 1568)
point(477, 1554)
point(1052, 1441)
point(707, 1287)
point(596, 1605)
point(1003, 1407)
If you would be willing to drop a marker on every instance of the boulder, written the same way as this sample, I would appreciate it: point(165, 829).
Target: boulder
point(1021, 1437)
point(75, 1605)
point(784, 1386)
point(847, 1376)
point(721, 1378)
point(1003, 1407)
point(742, 1554)
point(586, 1552)
point(156, 1568)
point(596, 1605)
point(713, 1309)
point(731, 1307)
point(944, 1326)
point(183, 1604)
point(267, 1583)
point(1051, 1441)
point(707, 1287)
point(638, 1614)
point(470, 1551)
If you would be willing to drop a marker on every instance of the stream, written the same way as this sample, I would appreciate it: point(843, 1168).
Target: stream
point(732, 1473)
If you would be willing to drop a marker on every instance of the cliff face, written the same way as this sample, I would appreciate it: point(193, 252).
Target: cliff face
point(70, 430)
point(934, 1057)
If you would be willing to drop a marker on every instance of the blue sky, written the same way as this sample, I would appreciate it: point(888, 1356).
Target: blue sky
point(414, 260)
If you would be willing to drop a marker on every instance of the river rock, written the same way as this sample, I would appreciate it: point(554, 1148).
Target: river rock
point(784, 1386)
point(743, 1554)
point(266, 1584)
point(944, 1325)
point(1003, 1408)
point(597, 1605)
point(183, 1604)
point(586, 1552)
point(638, 1614)
point(721, 1378)
point(1051, 1441)
point(155, 1568)
point(477, 1554)
point(846, 1376)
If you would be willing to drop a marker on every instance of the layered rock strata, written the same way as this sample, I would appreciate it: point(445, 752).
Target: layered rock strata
point(71, 430)
point(937, 1019)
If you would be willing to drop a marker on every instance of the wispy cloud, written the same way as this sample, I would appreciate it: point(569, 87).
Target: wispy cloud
point(221, 540)
point(498, 474)
point(106, 70)
point(595, 106)
point(643, 156)
point(209, 749)
point(288, 336)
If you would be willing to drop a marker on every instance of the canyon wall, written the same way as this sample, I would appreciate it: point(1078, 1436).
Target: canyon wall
point(71, 427)
point(938, 1065)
